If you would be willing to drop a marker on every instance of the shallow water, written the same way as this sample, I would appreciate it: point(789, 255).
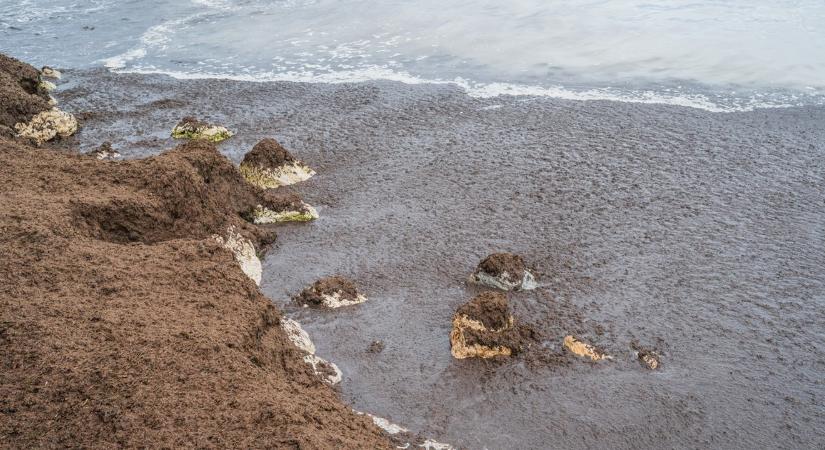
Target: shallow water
point(698, 233)
point(716, 55)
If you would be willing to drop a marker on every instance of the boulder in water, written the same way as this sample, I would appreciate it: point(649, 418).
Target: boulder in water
point(331, 292)
point(192, 128)
point(269, 165)
point(484, 328)
point(279, 207)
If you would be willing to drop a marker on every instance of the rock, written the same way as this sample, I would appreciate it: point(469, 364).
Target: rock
point(105, 151)
point(326, 370)
point(48, 125)
point(504, 271)
point(648, 357)
point(49, 72)
point(484, 328)
point(243, 251)
point(268, 165)
point(584, 349)
point(331, 292)
point(191, 128)
point(282, 207)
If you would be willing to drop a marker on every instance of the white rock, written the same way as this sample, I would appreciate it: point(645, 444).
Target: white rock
point(528, 281)
point(47, 125)
point(263, 215)
point(244, 253)
point(298, 336)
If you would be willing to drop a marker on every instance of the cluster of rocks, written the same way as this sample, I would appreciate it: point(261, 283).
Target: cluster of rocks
point(485, 328)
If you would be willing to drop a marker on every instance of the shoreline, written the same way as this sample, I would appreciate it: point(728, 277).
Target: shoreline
point(589, 190)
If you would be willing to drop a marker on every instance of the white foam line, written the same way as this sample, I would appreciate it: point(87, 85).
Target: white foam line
point(479, 90)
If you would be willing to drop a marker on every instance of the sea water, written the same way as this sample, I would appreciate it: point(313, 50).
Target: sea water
point(720, 55)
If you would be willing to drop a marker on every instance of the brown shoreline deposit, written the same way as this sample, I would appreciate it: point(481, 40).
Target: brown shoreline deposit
point(331, 292)
point(123, 323)
point(485, 328)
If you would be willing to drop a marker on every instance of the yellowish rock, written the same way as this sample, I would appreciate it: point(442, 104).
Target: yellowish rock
point(584, 349)
point(48, 125)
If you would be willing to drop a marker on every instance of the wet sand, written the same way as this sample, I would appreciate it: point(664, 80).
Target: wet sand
point(700, 234)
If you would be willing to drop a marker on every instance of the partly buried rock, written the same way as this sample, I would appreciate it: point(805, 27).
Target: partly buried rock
point(50, 72)
point(269, 165)
point(504, 271)
point(484, 328)
point(279, 207)
point(105, 151)
point(648, 357)
point(326, 370)
point(331, 292)
point(48, 125)
point(583, 349)
point(192, 128)
point(244, 252)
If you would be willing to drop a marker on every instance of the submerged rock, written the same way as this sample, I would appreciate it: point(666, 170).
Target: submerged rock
point(105, 151)
point(504, 271)
point(243, 251)
point(331, 292)
point(326, 370)
point(484, 328)
point(584, 349)
point(269, 165)
point(282, 207)
point(648, 357)
point(191, 128)
point(47, 125)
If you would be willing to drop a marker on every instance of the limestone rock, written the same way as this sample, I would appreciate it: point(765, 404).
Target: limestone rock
point(48, 125)
point(244, 252)
point(268, 165)
point(191, 128)
point(484, 328)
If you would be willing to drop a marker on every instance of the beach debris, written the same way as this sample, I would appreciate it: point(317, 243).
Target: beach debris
point(47, 125)
point(504, 271)
point(268, 165)
point(484, 328)
point(192, 128)
point(583, 349)
point(49, 72)
point(647, 356)
point(105, 151)
point(326, 370)
point(280, 207)
point(331, 292)
point(244, 252)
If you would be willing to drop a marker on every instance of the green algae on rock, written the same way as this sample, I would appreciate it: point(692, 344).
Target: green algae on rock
point(191, 128)
point(268, 165)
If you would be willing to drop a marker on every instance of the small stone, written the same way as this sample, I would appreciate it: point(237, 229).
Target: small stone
point(331, 292)
point(268, 165)
point(649, 358)
point(191, 128)
point(504, 271)
point(280, 207)
point(584, 349)
point(105, 151)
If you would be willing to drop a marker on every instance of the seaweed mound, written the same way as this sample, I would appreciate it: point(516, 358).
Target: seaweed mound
point(331, 292)
point(125, 323)
point(269, 165)
point(22, 94)
point(485, 328)
point(504, 271)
